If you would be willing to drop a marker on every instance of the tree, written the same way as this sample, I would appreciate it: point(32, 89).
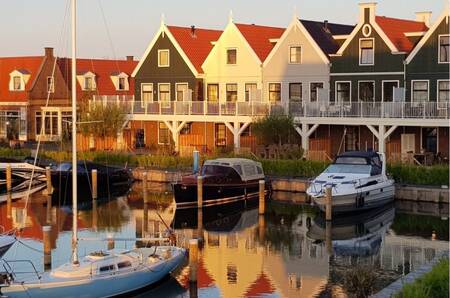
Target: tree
point(274, 129)
point(102, 120)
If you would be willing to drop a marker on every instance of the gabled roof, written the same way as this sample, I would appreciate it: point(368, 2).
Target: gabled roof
point(196, 46)
point(258, 37)
point(395, 30)
point(324, 36)
point(25, 65)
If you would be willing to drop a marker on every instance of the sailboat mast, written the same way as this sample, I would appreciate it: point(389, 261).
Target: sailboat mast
point(74, 135)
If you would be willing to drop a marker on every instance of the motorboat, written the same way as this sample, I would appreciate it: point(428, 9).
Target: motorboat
point(21, 173)
point(225, 180)
point(111, 181)
point(358, 181)
point(99, 274)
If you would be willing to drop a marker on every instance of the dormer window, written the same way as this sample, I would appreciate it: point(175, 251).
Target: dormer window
point(444, 48)
point(163, 58)
point(17, 83)
point(87, 81)
point(231, 56)
point(366, 51)
point(121, 84)
point(120, 81)
point(18, 79)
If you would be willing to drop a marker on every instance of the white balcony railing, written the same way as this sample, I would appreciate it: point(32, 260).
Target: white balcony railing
point(424, 110)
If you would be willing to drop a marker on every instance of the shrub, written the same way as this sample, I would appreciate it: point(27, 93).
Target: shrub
point(425, 175)
point(14, 153)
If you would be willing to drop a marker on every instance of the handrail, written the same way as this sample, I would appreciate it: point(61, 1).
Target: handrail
point(14, 273)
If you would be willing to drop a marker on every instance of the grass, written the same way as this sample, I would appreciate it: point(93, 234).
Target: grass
point(432, 284)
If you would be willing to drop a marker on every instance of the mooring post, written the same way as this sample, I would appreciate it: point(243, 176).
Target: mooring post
point(261, 228)
point(48, 177)
point(144, 186)
point(262, 197)
point(8, 178)
point(328, 240)
point(49, 210)
point(94, 184)
point(46, 232)
point(110, 243)
point(196, 161)
point(328, 202)
point(94, 215)
point(8, 205)
point(193, 260)
point(200, 225)
point(199, 191)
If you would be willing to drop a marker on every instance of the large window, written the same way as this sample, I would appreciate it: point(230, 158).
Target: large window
point(213, 92)
point(444, 90)
point(419, 90)
point(295, 55)
point(444, 48)
point(163, 134)
point(295, 91)
point(221, 135)
point(146, 93)
point(231, 56)
point(17, 83)
point(182, 92)
point(250, 91)
point(231, 92)
point(366, 52)
point(163, 58)
point(313, 89)
point(343, 91)
point(274, 92)
point(164, 92)
point(366, 91)
point(388, 90)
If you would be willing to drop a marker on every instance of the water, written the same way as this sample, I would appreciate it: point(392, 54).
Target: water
point(289, 252)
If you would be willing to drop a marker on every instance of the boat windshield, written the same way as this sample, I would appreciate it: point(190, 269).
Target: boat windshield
point(63, 167)
point(215, 170)
point(349, 169)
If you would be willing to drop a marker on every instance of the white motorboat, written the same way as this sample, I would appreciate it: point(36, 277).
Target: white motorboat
point(21, 173)
point(358, 181)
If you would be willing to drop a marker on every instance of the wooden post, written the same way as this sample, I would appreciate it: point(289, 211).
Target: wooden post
point(328, 240)
point(144, 186)
point(200, 191)
point(328, 202)
point(94, 215)
point(94, 185)
point(8, 178)
point(200, 225)
point(49, 210)
point(262, 197)
point(46, 232)
point(193, 260)
point(261, 228)
point(9, 205)
point(110, 243)
point(48, 177)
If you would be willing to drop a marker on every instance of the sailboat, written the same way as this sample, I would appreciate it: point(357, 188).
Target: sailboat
point(100, 274)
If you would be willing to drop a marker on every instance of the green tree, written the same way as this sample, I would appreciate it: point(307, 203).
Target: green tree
point(102, 120)
point(275, 129)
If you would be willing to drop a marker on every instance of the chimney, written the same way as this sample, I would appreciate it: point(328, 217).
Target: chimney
point(130, 58)
point(193, 31)
point(48, 52)
point(367, 7)
point(424, 16)
point(325, 26)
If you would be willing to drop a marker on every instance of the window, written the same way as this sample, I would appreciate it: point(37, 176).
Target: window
point(295, 91)
point(38, 122)
point(17, 83)
point(50, 121)
point(124, 264)
point(444, 90)
point(366, 52)
point(313, 95)
point(187, 129)
point(419, 90)
point(50, 85)
point(88, 84)
point(250, 92)
point(221, 135)
point(182, 92)
point(366, 91)
point(231, 92)
point(163, 133)
point(164, 92)
point(295, 55)
point(231, 56)
point(106, 268)
point(163, 58)
point(388, 90)
point(343, 91)
point(444, 48)
point(122, 85)
point(274, 92)
point(146, 94)
point(213, 92)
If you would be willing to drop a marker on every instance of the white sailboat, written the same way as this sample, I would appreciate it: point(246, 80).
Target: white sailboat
point(100, 274)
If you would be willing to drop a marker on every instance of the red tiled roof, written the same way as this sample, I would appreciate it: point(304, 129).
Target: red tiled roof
point(395, 30)
point(258, 38)
point(196, 46)
point(261, 286)
point(28, 65)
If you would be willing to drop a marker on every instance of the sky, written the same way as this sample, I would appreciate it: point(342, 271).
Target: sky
point(117, 28)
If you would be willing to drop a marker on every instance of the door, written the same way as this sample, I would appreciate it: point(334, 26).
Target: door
point(408, 143)
point(140, 138)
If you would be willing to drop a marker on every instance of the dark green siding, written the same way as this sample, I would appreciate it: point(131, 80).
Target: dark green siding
point(425, 66)
point(177, 72)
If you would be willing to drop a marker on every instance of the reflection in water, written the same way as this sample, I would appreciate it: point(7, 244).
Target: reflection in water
point(289, 252)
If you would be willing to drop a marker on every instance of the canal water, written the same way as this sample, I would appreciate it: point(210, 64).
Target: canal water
point(289, 252)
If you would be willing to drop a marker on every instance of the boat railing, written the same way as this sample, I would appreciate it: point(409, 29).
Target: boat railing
point(9, 269)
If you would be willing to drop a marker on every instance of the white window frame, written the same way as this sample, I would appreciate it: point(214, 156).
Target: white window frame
point(168, 132)
point(35, 123)
point(226, 92)
point(170, 98)
point(289, 54)
point(412, 90)
point(226, 56)
point(245, 92)
point(373, 52)
point(336, 91)
point(281, 92)
point(125, 85)
point(142, 93)
point(439, 49)
point(366, 81)
point(382, 88)
point(309, 86)
point(52, 89)
point(168, 58)
point(93, 83)
point(22, 83)
point(437, 88)
point(184, 95)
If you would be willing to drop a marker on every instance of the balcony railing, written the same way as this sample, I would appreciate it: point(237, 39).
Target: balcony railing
point(417, 110)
